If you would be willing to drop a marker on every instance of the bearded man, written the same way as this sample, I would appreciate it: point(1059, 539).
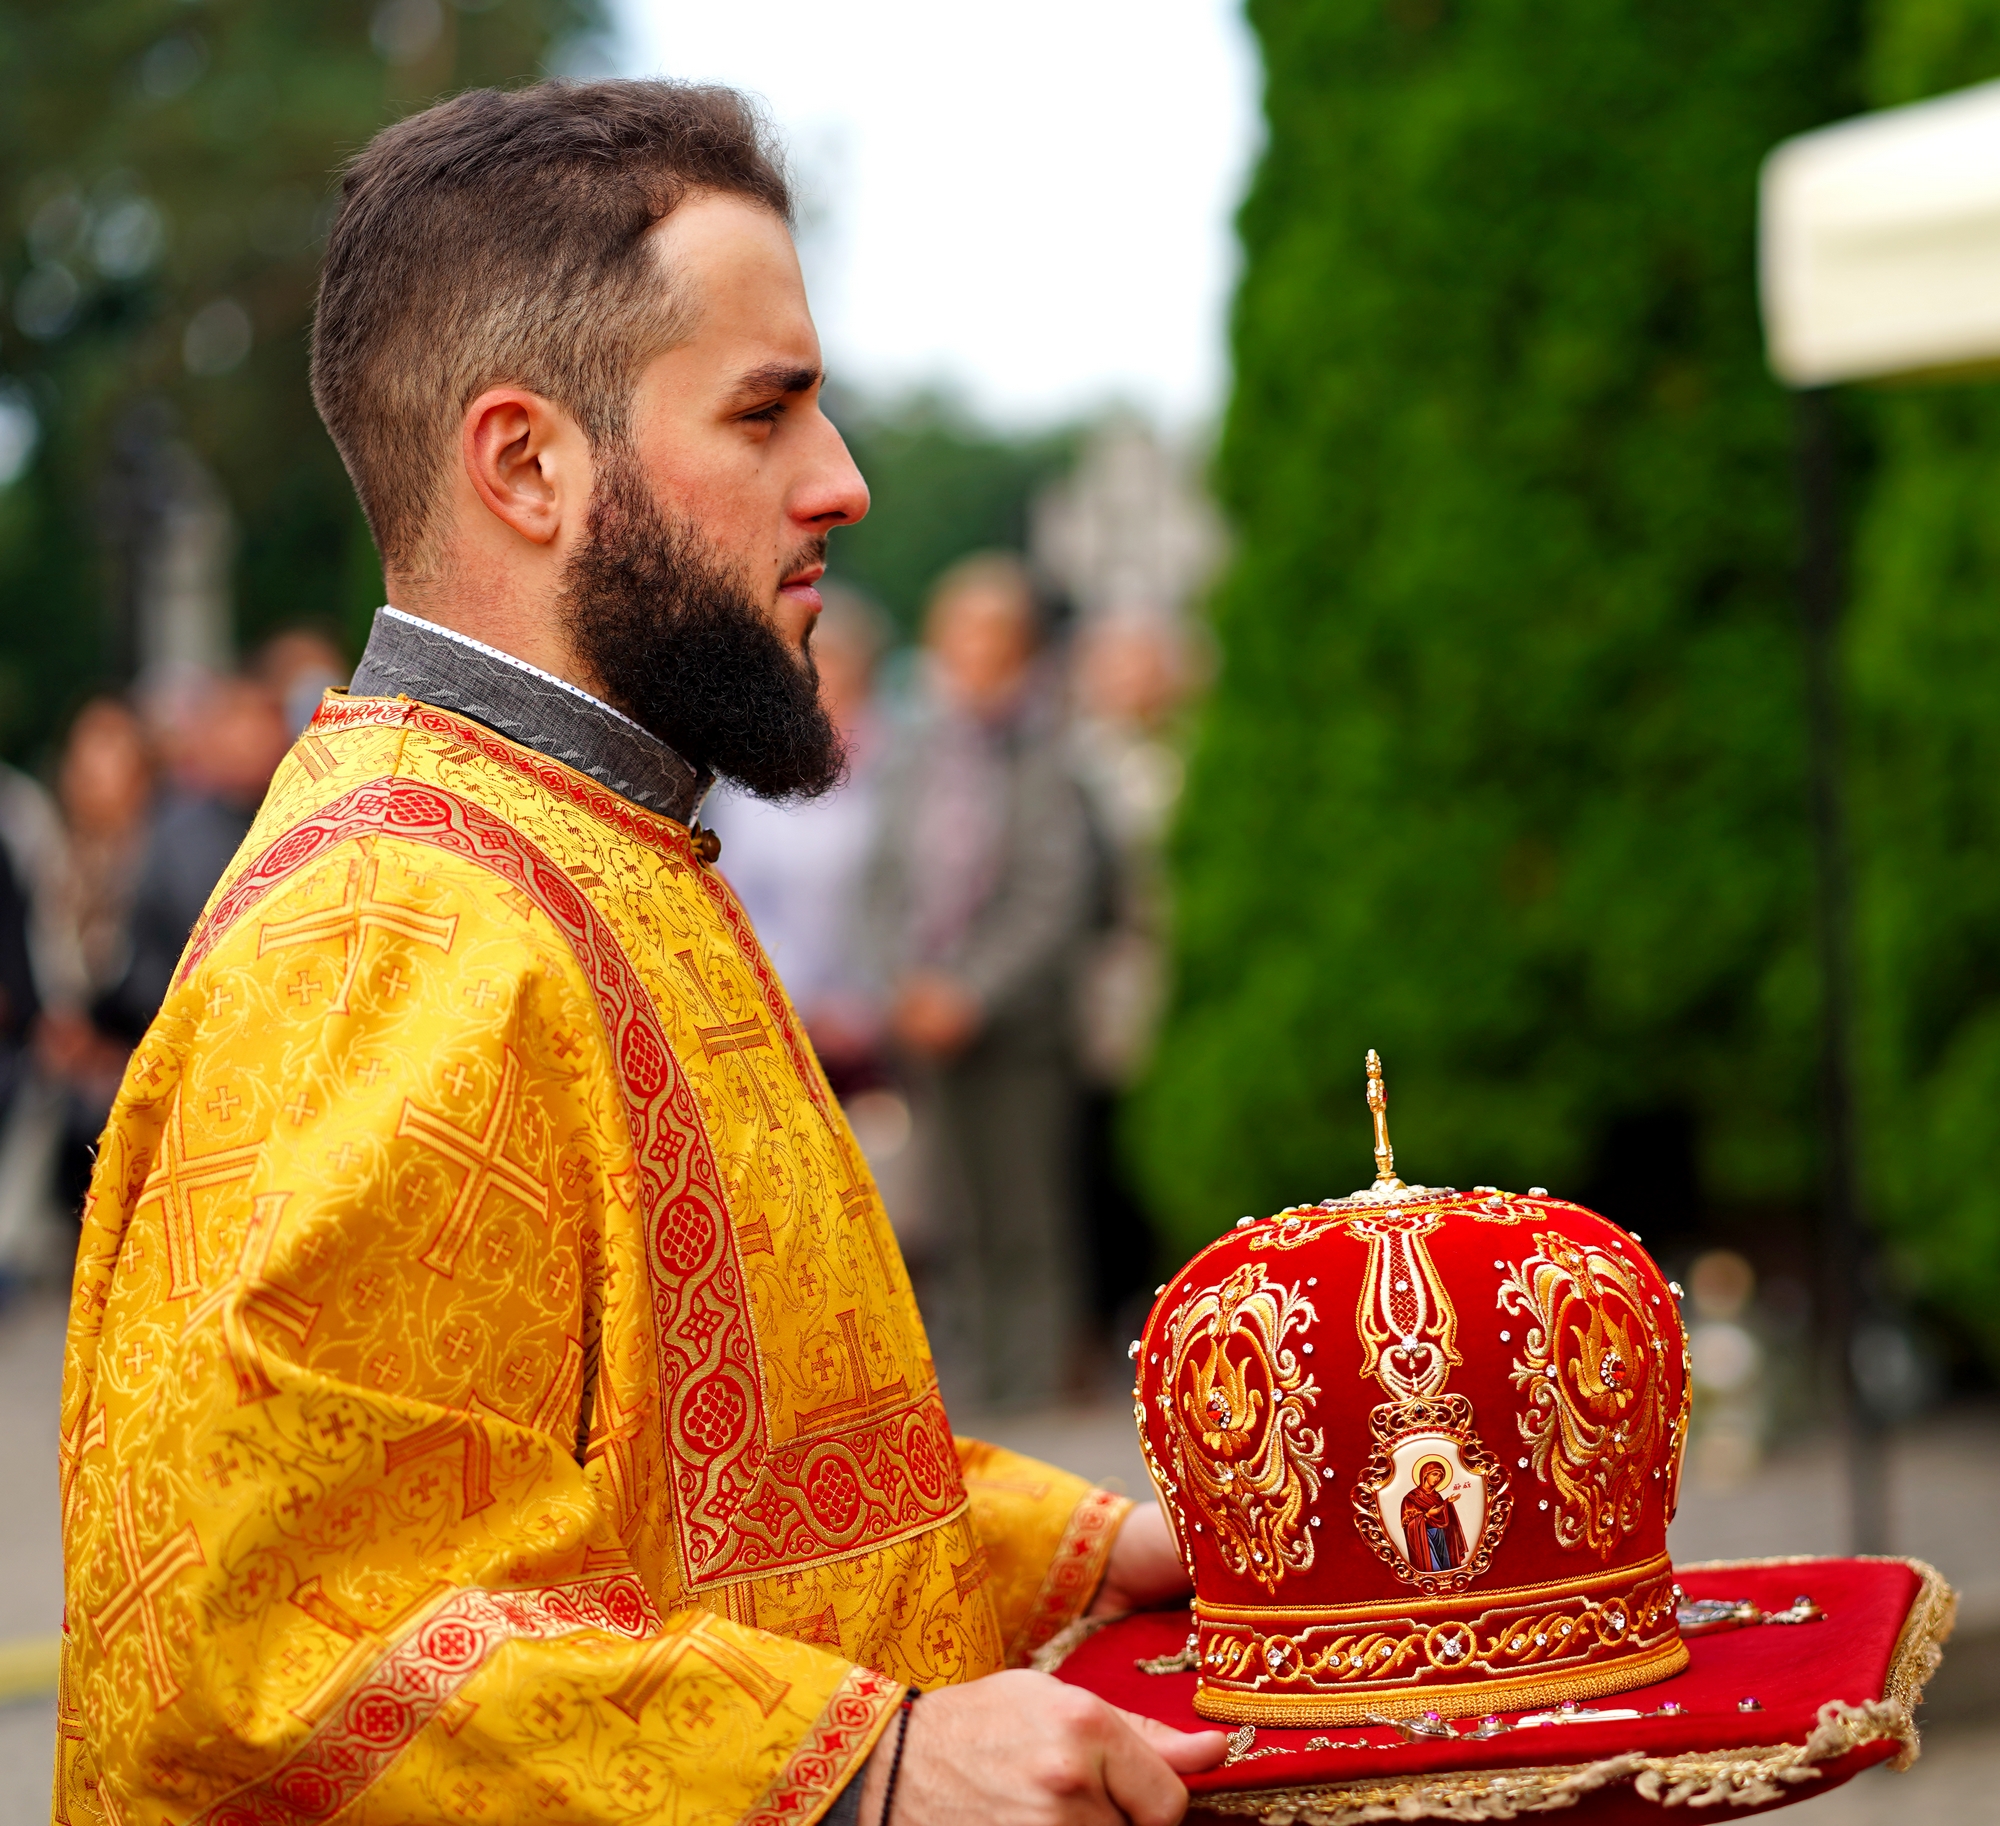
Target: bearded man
point(493, 1390)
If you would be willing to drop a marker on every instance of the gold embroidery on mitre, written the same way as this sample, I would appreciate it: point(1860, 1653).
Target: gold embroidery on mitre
point(1677, 1437)
point(1592, 1368)
point(1291, 1228)
point(1408, 1326)
point(1243, 1450)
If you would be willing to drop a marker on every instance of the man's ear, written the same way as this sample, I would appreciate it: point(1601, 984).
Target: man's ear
point(527, 460)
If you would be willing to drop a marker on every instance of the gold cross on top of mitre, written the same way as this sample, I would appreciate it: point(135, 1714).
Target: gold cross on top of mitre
point(1378, 1108)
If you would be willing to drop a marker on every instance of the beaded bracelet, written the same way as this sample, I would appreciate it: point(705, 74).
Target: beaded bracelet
point(896, 1757)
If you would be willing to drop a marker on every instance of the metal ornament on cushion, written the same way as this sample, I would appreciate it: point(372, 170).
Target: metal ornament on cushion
point(1490, 1532)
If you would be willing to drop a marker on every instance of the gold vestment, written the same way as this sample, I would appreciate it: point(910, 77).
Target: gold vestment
point(493, 1390)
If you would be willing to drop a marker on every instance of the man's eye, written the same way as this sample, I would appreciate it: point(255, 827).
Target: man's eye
point(767, 415)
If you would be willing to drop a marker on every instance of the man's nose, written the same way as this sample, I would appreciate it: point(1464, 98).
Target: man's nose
point(834, 494)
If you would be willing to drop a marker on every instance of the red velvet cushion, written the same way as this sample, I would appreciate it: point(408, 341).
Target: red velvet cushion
point(1792, 1670)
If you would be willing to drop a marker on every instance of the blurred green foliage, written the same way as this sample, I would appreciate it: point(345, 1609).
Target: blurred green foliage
point(1503, 772)
point(1924, 672)
point(162, 159)
point(942, 485)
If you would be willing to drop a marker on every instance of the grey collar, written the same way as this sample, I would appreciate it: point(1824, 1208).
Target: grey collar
point(406, 656)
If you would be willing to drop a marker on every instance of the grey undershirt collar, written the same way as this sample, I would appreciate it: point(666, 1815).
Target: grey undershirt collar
point(408, 656)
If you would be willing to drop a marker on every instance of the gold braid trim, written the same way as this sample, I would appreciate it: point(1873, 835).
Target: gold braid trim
point(1071, 1637)
point(1463, 1699)
point(1076, 1569)
point(1752, 1776)
point(1919, 1649)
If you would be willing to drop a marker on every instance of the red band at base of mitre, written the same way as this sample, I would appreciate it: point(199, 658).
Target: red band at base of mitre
point(1461, 1656)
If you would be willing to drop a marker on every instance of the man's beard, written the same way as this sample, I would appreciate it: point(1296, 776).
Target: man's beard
point(682, 648)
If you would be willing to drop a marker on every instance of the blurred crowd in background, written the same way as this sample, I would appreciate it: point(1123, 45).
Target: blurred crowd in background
point(972, 929)
point(103, 871)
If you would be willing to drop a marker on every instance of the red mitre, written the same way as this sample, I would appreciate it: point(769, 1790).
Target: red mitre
point(1420, 1449)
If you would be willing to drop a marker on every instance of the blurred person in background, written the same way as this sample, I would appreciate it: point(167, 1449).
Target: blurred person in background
point(979, 893)
point(31, 833)
point(1731, 1413)
point(222, 739)
point(798, 867)
point(1130, 675)
point(300, 664)
point(30, 1122)
point(20, 997)
point(104, 785)
point(37, 971)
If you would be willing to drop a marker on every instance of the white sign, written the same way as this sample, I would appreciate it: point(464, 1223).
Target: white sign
point(1880, 243)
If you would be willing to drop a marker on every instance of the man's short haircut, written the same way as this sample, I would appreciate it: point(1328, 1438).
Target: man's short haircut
point(500, 239)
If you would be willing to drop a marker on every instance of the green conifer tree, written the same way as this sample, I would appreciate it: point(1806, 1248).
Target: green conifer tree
point(1503, 773)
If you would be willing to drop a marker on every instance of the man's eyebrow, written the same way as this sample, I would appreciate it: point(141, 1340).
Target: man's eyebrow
point(775, 377)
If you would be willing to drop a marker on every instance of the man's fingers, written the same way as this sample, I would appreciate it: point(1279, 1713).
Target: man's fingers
point(1023, 1749)
point(1185, 1751)
point(1136, 1777)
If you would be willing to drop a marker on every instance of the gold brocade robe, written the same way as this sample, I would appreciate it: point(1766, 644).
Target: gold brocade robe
point(493, 1390)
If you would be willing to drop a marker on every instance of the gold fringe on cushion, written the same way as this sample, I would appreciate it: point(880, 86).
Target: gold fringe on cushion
point(1919, 1649)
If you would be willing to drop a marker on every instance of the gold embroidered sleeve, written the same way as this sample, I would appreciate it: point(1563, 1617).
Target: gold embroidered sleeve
point(339, 1537)
point(1046, 1535)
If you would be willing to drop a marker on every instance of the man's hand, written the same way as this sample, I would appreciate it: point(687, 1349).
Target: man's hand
point(1022, 1749)
point(1144, 1570)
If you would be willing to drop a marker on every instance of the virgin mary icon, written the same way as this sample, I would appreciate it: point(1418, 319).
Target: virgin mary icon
point(1431, 1534)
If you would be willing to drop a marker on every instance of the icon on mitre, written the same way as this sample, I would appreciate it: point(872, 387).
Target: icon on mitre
point(1432, 1487)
